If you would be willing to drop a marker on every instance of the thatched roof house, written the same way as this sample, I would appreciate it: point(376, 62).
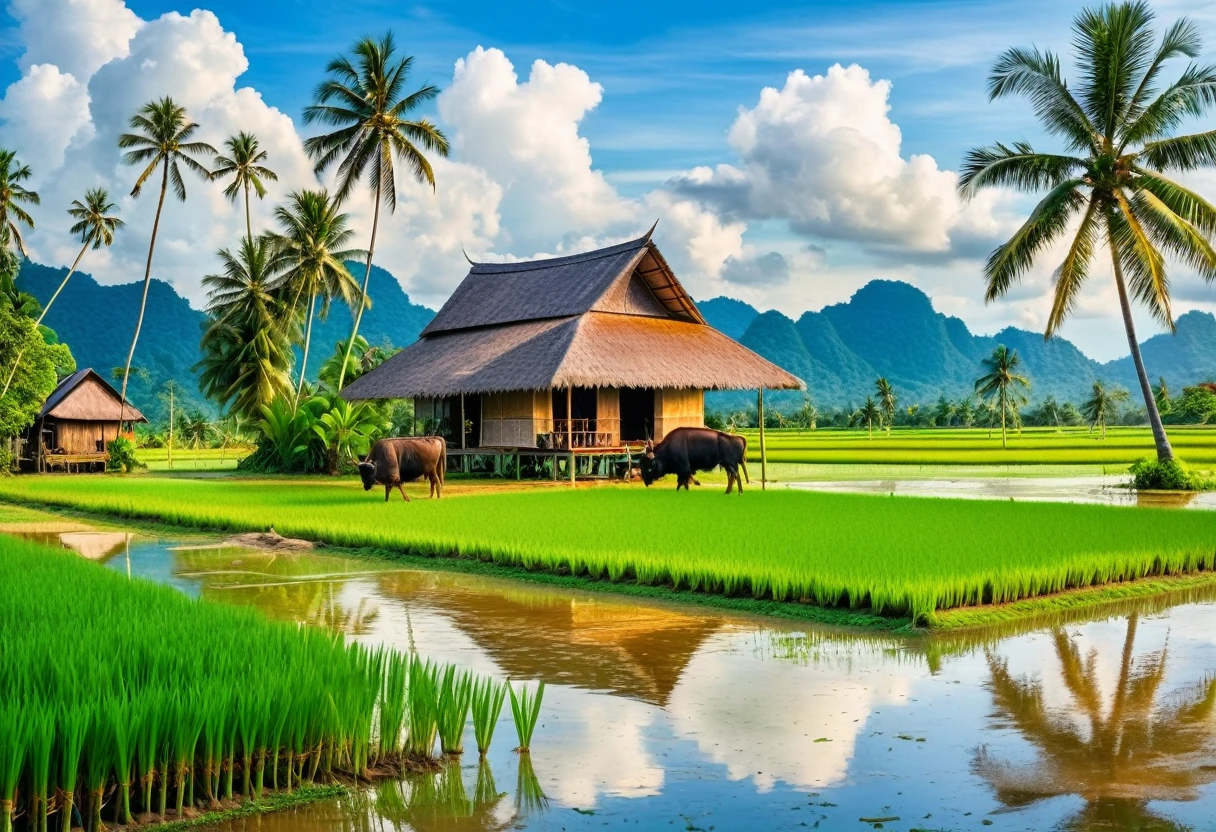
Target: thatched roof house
point(609, 338)
point(79, 417)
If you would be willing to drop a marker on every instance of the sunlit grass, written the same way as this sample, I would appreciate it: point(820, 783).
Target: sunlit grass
point(895, 555)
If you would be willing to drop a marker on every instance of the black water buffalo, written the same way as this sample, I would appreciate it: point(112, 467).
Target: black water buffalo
point(685, 451)
point(392, 462)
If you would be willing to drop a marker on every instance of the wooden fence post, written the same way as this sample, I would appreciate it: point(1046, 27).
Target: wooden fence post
point(763, 455)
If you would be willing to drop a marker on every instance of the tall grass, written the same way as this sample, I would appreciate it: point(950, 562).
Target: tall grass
point(896, 556)
point(120, 696)
point(525, 708)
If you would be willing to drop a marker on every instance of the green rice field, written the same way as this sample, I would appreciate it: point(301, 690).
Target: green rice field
point(189, 460)
point(1195, 445)
point(129, 697)
point(896, 556)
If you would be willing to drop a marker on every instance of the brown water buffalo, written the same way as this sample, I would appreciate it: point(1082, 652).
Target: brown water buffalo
point(685, 451)
point(392, 462)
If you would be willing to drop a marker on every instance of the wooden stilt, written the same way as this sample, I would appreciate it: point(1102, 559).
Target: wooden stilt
point(570, 429)
point(763, 455)
point(464, 460)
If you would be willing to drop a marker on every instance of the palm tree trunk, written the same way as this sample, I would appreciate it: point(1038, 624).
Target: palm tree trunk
point(367, 275)
point(1164, 452)
point(312, 305)
point(1004, 439)
point(143, 302)
point(248, 222)
point(45, 309)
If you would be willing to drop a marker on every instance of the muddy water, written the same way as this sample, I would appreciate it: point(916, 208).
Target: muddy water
point(665, 717)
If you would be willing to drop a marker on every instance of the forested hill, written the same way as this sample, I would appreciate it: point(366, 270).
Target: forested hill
point(97, 321)
point(889, 328)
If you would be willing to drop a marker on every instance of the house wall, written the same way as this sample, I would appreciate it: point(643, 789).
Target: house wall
point(677, 409)
point(608, 414)
point(512, 419)
point(81, 437)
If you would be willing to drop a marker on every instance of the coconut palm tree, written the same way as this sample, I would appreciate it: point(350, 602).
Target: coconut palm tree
point(1119, 755)
point(243, 163)
point(1004, 386)
point(943, 411)
point(1101, 406)
point(868, 414)
point(247, 344)
point(13, 197)
point(162, 138)
point(367, 102)
point(310, 257)
point(886, 401)
point(1113, 184)
point(96, 227)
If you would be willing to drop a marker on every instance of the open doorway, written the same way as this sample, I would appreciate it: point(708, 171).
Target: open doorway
point(584, 404)
point(637, 414)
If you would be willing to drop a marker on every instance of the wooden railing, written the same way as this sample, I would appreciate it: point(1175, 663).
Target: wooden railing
point(551, 434)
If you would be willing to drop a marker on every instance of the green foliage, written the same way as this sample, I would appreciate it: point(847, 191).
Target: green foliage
point(288, 432)
point(1102, 406)
point(1196, 406)
point(455, 699)
point(893, 556)
point(488, 698)
point(122, 455)
point(1171, 475)
point(42, 365)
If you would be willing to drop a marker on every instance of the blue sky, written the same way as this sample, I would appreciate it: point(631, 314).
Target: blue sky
point(658, 98)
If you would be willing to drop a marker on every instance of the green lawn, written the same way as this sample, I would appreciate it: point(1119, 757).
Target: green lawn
point(899, 556)
point(974, 446)
point(188, 460)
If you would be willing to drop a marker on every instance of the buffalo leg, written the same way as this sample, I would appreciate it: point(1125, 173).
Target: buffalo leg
point(695, 482)
point(404, 496)
point(388, 489)
point(730, 480)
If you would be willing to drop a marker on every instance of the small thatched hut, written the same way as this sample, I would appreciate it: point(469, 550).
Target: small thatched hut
point(581, 352)
point(78, 419)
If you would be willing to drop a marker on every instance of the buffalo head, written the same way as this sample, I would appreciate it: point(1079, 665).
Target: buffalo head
point(367, 472)
point(652, 466)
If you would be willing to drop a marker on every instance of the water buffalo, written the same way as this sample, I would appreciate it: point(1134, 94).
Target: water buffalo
point(392, 462)
point(685, 451)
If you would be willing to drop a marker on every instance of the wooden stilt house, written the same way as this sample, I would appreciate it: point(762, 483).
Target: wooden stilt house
point(80, 416)
point(570, 354)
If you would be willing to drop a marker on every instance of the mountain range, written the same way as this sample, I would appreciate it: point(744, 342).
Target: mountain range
point(888, 328)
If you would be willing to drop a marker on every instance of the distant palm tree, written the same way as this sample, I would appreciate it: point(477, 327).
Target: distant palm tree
point(808, 414)
point(886, 401)
point(943, 411)
point(96, 228)
point(964, 411)
point(1101, 406)
point(1161, 395)
point(869, 414)
point(1111, 185)
point(13, 196)
point(247, 344)
point(161, 139)
point(244, 164)
point(366, 102)
point(1003, 385)
point(310, 257)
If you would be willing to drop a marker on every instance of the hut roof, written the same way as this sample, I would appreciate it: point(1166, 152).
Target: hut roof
point(86, 396)
point(616, 317)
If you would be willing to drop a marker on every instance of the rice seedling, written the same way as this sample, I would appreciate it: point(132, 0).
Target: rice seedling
point(123, 720)
point(488, 697)
point(455, 697)
point(902, 557)
point(525, 708)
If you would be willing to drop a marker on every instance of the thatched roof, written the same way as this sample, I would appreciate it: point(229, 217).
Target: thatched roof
point(616, 317)
point(86, 396)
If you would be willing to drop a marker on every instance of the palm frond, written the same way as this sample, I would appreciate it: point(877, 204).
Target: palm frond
point(1049, 219)
point(1184, 202)
point(1190, 95)
point(1174, 234)
point(1072, 272)
point(1141, 261)
point(1027, 71)
point(1018, 167)
point(1181, 152)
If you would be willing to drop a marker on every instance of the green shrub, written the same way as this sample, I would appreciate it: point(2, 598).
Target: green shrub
point(122, 455)
point(1154, 475)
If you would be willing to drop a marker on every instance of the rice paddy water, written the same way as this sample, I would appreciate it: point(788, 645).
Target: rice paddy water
point(665, 716)
point(128, 699)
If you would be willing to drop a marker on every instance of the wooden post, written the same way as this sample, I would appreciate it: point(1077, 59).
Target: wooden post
point(570, 429)
point(464, 460)
point(763, 455)
point(170, 447)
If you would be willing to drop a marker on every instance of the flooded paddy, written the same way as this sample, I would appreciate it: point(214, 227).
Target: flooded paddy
point(673, 717)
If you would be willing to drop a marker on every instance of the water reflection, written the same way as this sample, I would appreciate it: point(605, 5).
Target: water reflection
point(1117, 752)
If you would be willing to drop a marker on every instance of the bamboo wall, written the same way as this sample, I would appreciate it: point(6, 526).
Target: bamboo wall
point(513, 419)
point(80, 437)
point(675, 408)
